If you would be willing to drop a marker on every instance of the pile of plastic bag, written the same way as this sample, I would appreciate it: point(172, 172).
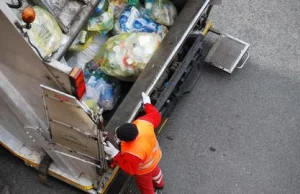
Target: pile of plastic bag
point(116, 44)
point(138, 32)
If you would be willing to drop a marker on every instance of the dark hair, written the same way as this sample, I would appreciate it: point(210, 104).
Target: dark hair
point(127, 132)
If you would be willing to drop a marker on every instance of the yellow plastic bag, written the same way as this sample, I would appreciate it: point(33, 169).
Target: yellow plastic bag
point(45, 33)
point(125, 56)
point(82, 41)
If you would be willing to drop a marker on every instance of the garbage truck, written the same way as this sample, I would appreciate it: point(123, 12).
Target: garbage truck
point(43, 120)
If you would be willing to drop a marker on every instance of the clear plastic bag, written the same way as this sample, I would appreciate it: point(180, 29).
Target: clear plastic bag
point(45, 33)
point(134, 20)
point(164, 12)
point(124, 56)
point(102, 91)
point(102, 24)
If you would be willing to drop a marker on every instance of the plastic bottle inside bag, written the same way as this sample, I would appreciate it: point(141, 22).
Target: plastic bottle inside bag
point(134, 20)
point(145, 25)
point(128, 18)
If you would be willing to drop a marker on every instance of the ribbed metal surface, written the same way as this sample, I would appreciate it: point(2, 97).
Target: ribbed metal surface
point(131, 187)
point(65, 11)
point(227, 52)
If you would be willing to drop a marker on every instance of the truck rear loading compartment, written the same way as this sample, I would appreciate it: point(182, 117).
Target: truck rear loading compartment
point(146, 82)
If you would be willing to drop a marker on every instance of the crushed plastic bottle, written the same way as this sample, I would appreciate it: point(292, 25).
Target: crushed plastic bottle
point(128, 18)
point(144, 24)
point(132, 20)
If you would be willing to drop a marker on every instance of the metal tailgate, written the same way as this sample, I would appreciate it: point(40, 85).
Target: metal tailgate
point(70, 125)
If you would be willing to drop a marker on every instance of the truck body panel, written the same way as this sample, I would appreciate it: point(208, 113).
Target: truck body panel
point(25, 122)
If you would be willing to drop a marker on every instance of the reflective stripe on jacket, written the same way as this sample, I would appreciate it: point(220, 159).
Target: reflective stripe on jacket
point(145, 146)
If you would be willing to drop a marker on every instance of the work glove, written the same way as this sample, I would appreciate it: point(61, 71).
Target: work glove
point(110, 150)
point(146, 98)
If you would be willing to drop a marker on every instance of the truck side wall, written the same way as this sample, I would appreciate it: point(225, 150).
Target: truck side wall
point(9, 120)
point(22, 67)
point(21, 103)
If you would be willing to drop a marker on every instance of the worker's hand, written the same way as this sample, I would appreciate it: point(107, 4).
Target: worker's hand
point(110, 150)
point(146, 98)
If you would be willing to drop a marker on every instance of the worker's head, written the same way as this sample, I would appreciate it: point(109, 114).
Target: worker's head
point(127, 132)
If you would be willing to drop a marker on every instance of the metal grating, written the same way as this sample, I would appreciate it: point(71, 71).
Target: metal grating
point(131, 187)
point(227, 53)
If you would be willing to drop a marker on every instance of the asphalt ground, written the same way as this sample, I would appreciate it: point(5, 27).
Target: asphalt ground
point(233, 134)
point(239, 133)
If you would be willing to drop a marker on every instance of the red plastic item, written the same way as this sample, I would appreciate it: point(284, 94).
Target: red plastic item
point(77, 83)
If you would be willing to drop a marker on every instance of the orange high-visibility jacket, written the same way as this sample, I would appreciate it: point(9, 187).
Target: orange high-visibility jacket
point(145, 147)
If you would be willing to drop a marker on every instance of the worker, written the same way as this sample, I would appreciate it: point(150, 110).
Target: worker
point(140, 152)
